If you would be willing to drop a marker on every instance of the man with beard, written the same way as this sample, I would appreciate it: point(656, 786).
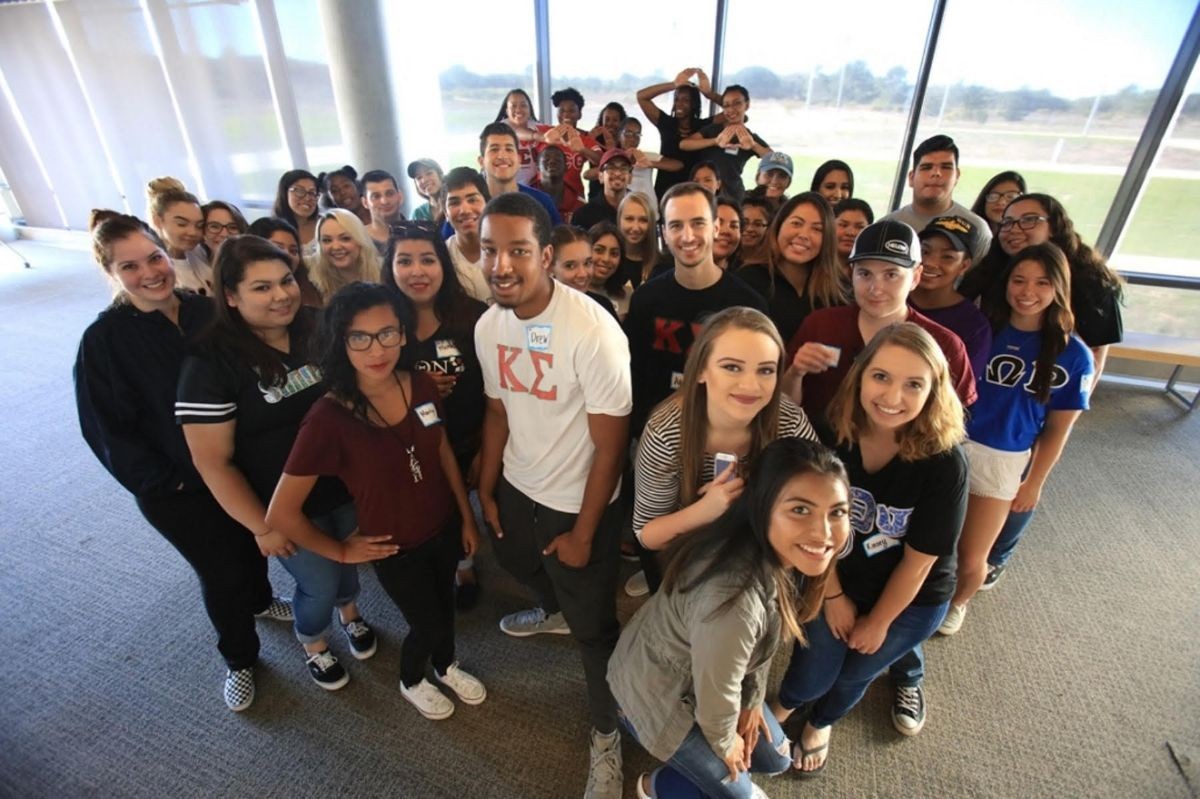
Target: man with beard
point(556, 376)
point(616, 167)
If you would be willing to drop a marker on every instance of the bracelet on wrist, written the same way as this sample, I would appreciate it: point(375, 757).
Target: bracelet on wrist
point(835, 596)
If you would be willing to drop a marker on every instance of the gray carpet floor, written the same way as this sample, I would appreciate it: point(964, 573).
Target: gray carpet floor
point(1078, 676)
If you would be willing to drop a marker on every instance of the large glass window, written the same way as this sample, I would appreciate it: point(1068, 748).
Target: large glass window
point(829, 80)
point(1162, 236)
point(451, 66)
point(308, 69)
point(608, 61)
point(1058, 91)
point(46, 93)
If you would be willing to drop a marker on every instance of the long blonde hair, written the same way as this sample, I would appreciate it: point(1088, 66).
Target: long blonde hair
point(693, 396)
point(325, 276)
point(648, 249)
point(940, 424)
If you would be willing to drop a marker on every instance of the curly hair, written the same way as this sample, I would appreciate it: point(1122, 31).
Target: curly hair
point(329, 343)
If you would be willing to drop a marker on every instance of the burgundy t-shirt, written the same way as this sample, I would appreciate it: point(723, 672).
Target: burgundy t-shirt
point(374, 464)
point(838, 327)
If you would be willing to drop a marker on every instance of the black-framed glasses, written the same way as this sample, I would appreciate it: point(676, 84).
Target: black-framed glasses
point(412, 229)
point(997, 196)
point(359, 341)
point(1025, 221)
point(216, 227)
point(301, 193)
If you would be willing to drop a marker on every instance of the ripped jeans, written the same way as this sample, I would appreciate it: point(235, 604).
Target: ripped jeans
point(695, 770)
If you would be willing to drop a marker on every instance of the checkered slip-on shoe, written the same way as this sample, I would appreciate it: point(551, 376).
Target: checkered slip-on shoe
point(239, 689)
point(280, 609)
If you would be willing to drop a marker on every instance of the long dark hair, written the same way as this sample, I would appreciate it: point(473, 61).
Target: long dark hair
point(1007, 176)
point(452, 306)
point(824, 287)
point(1059, 321)
point(832, 166)
point(739, 540)
point(281, 208)
point(329, 343)
point(1092, 276)
point(228, 333)
point(615, 284)
point(503, 115)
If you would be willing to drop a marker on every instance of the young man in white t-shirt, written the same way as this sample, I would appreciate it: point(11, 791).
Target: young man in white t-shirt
point(556, 375)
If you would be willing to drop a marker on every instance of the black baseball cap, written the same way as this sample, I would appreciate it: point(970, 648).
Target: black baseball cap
point(887, 240)
point(962, 234)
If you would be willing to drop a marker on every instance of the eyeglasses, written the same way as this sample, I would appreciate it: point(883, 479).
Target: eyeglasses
point(412, 229)
point(1025, 221)
point(216, 227)
point(620, 170)
point(301, 193)
point(997, 196)
point(359, 341)
point(756, 224)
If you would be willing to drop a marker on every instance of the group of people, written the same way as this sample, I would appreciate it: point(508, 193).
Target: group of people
point(806, 424)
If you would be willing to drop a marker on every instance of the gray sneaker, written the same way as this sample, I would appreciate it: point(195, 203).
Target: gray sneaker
point(525, 623)
point(604, 776)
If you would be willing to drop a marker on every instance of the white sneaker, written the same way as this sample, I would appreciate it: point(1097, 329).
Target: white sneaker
point(525, 623)
point(637, 585)
point(954, 619)
point(465, 686)
point(429, 701)
point(604, 775)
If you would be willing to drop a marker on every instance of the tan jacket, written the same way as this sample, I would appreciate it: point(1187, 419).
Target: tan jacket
point(678, 663)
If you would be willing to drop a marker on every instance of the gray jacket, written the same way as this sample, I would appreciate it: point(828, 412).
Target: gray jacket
point(678, 663)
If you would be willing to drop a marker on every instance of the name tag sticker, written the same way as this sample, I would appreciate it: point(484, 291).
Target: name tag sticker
point(879, 543)
point(732, 150)
point(537, 337)
point(676, 380)
point(446, 348)
point(428, 414)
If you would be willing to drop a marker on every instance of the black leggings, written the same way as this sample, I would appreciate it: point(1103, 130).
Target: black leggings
point(421, 583)
point(232, 572)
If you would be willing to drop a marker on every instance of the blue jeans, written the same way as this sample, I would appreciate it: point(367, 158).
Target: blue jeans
point(1010, 535)
point(322, 584)
point(835, 676)
point(695, 770)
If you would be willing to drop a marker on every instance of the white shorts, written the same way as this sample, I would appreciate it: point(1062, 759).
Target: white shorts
point(995, 473)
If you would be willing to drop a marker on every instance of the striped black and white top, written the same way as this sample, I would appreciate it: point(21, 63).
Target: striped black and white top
point(657, 469)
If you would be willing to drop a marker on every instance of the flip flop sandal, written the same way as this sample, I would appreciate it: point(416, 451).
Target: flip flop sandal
point(816, 750)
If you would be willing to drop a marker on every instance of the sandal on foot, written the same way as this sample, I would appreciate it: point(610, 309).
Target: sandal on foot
point(797, 762)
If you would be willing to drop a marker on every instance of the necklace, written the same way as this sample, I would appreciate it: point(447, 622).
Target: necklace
point(414, 463)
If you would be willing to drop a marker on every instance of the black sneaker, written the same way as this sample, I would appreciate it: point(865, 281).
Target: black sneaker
point(326, 671)
point(993, 577)
point(908, 709)
point(361, 638)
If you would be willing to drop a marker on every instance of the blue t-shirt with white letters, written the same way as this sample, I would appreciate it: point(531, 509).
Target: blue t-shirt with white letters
point(1008, 416)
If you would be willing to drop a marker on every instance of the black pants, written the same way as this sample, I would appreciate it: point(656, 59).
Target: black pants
point(232, 572)
point(421, 583)
point(587, 597)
